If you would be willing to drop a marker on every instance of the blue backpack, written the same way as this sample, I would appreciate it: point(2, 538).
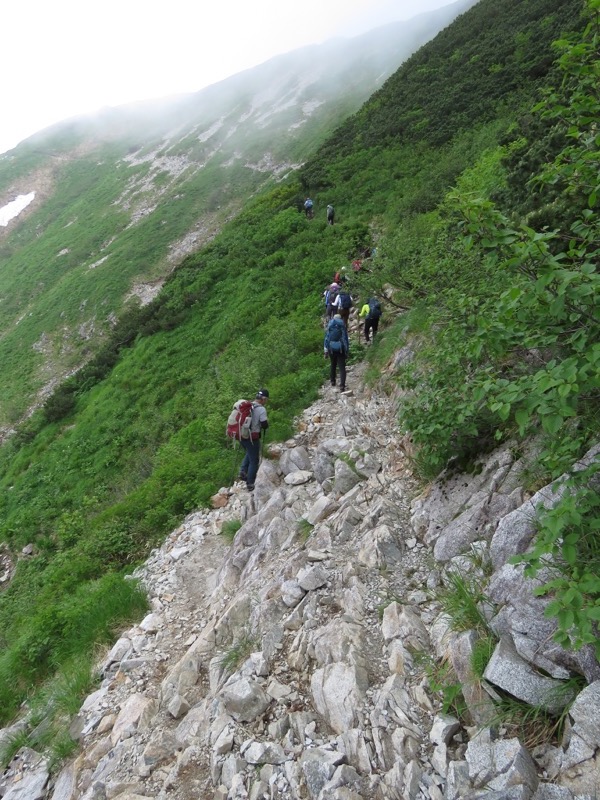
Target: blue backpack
point(336, 336)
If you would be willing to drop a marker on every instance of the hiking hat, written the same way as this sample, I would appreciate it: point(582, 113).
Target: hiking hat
point(263, 393)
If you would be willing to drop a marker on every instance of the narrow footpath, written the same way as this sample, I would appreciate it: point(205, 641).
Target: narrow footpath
point(263, 669)
point(296, 659)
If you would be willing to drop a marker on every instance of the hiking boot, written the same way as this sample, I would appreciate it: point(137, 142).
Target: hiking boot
point(242, 476)
point(250, 487)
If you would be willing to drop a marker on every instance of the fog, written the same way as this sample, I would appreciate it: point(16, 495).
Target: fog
point(69, 58)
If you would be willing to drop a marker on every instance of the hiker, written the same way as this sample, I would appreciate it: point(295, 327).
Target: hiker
point(330, 214)
point(336, 346)
point(258, 424)
point(372, 312)
point(308, 208)
point(331, 294)
point(343, 304)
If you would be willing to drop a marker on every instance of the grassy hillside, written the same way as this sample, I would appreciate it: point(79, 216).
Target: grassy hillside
point(122, 197)
point(133, 441)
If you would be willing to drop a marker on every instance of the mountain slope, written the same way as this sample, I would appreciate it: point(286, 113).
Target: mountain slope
point(121, 198)
point(135, 440)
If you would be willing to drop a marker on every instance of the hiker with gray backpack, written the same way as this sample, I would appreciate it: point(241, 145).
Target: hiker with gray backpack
point(336, 347)
point(247, 421)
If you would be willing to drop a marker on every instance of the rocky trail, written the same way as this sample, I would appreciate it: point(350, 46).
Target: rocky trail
point(297, 660)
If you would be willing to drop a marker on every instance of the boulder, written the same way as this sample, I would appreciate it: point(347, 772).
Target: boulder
point(244, 699)
point(511, 673)
point(338, 691)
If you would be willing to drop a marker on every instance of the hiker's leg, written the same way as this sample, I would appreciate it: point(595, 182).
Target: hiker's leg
point(344, 314)
point(246, 461)
point(367, 329)
point(253, 452)
point(342, 363)
point(332, 365)
point(375, 325)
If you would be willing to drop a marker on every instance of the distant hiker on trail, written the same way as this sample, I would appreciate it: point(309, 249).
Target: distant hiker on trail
point(251, 445)
point(343, 304)
point(336, 346)
point(372, 312)
point(331, 294)
point(330, 214)
point(308, 208)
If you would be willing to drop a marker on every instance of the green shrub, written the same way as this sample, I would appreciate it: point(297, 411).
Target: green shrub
point(229, 529)
point(463, 599)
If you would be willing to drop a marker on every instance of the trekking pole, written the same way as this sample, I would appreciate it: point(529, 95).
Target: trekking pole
point(262, 445)
point(234, 462)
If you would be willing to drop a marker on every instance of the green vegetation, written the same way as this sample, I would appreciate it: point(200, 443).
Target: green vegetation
point(483, 650)
point(442, 679)
point(501, 331)
point(463, 599)
point(51, 712)
point(229, 529)
point(534, 725)
point(238, 652)
point(305, 528)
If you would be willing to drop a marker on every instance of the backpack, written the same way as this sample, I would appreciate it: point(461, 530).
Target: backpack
point(375, 308)
point(308, 203)
point(336, 336)
point(332, 294)
point(239, 421)
point(345, 300)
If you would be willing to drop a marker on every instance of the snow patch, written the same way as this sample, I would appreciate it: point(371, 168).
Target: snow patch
point(14, 208)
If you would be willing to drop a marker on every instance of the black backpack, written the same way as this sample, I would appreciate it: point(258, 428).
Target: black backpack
point(345, 300)
point(375, 308)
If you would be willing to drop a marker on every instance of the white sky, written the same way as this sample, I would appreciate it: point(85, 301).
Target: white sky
point(61, 58)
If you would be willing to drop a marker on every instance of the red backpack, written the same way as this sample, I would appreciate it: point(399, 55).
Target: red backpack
point(239, 421)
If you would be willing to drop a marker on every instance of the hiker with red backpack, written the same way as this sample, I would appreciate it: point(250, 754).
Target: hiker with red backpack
point(246, 423)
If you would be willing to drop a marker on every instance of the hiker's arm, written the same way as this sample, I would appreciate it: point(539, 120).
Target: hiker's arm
point(264, 422)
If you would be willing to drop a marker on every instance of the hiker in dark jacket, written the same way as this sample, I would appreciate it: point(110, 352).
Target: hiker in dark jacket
point(259, 424)
point(336, 346)
point(372, 312)
point(330, 214)
point(343, 304)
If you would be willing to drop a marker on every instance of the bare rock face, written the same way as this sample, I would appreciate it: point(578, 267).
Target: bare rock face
point(303, 660)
